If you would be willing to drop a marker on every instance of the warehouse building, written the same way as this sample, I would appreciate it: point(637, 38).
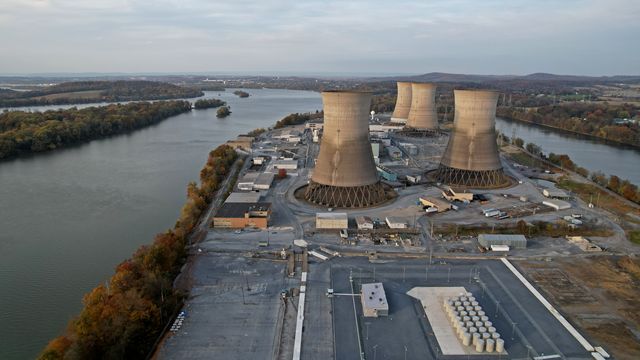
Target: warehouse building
point(364, 223)
point(557, 204)
point(286, 164)
point(244, 197)
point(555, 194)
point(263, 181)
point(241, 215)
point(247, 181)
point(513, 241)
point(331, 220)
point(374, 300)
point(438, 204)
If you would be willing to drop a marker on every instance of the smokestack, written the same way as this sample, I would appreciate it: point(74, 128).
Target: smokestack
point(471, 158)
point(345, 174)
point(422, 115)
point(403, 103)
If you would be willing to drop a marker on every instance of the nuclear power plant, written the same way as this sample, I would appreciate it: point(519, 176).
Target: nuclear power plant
point(422, 113)
point(345, 175)
point(403, 103)
point(471, 157)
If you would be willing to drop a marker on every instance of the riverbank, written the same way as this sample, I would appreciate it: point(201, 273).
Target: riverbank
point(572, 132)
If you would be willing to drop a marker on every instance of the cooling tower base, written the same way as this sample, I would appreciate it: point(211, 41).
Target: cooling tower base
point(411, 132)
point(472, 178)
point(345, 196)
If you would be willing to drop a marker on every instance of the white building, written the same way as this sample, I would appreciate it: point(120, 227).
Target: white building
point(557, 204)
point(374, 300)
point(364, 223)
point(263, 181)
point(396, 222)
point(286, 164)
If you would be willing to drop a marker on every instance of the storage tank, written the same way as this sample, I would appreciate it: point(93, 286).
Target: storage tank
point(490, 345)
point(499, 345)
point(471, 157)
point(403, 103)
point(422, 115)
point(345, 175)
point(480, 345)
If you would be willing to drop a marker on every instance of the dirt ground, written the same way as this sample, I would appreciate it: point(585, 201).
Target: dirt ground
point(601, 294)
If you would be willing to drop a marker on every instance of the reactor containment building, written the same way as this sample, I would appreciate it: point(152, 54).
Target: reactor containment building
point(471, 158)
point(345, 175)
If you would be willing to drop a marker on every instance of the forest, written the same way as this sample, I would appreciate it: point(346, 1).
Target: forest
point(590, 119)
point(123, 318)
point(208, 103)
point(77, 92)
point(31, 132)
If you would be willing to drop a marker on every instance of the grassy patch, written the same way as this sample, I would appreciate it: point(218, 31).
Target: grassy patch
point(634, 236)
point(589, 192)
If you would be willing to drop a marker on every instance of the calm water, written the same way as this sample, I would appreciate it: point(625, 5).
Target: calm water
point(589, 153)
point(67, 218)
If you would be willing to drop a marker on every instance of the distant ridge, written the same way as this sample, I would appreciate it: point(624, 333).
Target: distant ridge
point(447, 77)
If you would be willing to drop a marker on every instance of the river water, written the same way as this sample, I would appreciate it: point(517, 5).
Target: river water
point(68, 217)
point(591, 154)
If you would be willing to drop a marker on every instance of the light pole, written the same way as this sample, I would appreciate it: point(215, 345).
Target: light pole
point(449, 274)
point(375, 351)
point(405, 352)
point(513, 330)
point(497, 306)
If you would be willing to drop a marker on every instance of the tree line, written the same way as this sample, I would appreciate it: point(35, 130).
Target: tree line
point(29, 132)
point(622, 187)
point(597, 120)
point(208, 103)
point(123, 318)
point(75, 92)
point(297, 119)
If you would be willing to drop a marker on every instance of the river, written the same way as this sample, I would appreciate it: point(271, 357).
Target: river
point(591, 154)
point(68, 217)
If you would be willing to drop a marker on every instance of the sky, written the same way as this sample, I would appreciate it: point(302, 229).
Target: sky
point(578, 37)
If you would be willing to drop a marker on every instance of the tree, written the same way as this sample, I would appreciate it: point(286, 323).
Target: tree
point(614, 183)
point(223, 112)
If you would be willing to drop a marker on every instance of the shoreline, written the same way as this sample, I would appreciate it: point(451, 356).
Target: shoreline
point(575, 133)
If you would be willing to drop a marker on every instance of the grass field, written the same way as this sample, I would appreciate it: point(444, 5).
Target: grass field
point(589, 192)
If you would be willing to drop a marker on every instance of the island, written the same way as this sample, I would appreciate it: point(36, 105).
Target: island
point(77, 92)
point(242, 94)
point(24, 132)
point(208, 103)
point(223, 112)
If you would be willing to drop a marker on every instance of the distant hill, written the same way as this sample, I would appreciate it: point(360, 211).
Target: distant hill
point(97, 91)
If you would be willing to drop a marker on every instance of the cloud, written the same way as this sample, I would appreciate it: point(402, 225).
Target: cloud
point(314, 35)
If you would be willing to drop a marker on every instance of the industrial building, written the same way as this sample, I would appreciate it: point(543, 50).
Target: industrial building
point(471, 157)
point(555, 194)
point(422, 114)
point(247, 181)
point(439, 204)
point(452, 195)
point(396, 222)
point(394, 153)
point(332, 220)
point(374, 300)
point(403, 103)
point(513, 241)
point(286, 164)
point(386, 174)
point(241, 215)
point(364, 223)
point(345, 175)
point(244, 197)
point(557, 205)
point(263, 181)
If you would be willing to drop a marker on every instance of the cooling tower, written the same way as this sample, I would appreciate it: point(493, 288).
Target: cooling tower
point(471, 158)
point(345, 174)
point(403, 103)
point(422, 115)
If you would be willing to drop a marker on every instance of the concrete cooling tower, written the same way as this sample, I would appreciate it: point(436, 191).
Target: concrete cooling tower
point(471, 157)
point(403, 103)
point(422, 115)
point(345, 175)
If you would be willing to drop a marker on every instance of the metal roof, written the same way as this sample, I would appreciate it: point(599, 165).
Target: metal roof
point(332, 216)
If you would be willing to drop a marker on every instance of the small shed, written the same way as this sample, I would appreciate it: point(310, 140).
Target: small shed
point(364, 223)
point(513, 241)
point(374, 300)
point(396, 222)
point(331, 220)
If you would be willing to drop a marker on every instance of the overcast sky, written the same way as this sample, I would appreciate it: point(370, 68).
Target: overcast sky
point(583, 37)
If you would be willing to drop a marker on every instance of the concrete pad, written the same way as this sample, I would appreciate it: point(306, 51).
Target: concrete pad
point(432, 299)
